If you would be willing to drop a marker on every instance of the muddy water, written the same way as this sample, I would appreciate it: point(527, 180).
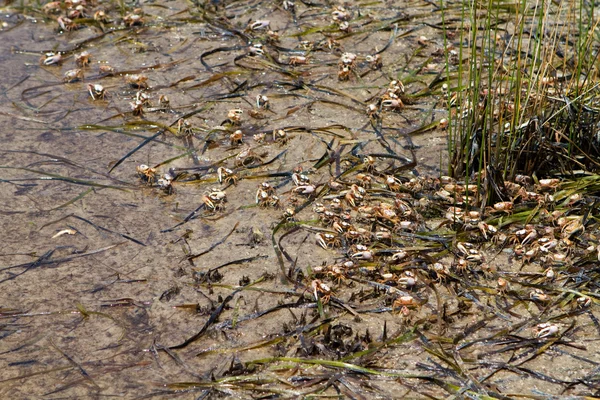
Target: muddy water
point(113, 287)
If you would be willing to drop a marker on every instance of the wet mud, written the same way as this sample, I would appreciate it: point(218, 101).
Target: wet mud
point(190, 278)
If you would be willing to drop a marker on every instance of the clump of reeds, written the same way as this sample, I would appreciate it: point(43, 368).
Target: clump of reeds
point(523, 91)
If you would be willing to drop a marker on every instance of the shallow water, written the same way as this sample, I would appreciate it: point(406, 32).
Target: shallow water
point(104, 277)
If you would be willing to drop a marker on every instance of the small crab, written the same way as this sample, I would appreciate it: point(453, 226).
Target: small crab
point(340, 14)
point(73, 75)
point(392, 104)
point(259, 25)
point(234, 116)
point(236, 137)
point(82, 59)
point(262, 101)
point(51, 59)
point(214, 199)
point(106, 70)
point(374, 61)
point(327, 240)
point(386, 212)
point(321, 291)
point(146, 173)
point(298, 60)
point(548, 184)
point(362, 253)
point(100, 16)
point(133, 19)
point(97, 91)
point(166, 183)
point(143, 97)
point(344, 73)
point(503, 206)
point(184, 128)
point(502, 285)
point(539, 295)
point(300, 179)
point(405, 301)
point(137, 81)
point(66, 24)
point(226, 176)
point(52, 8)
point(393, 183)
point(256, 49)
point(164, 102)
point(280, 136)
point(306, 190)
point(247, 157)
point(408, 279)
point(137, 108)
point(77, 12)
point(348, 59)
point(545, 330)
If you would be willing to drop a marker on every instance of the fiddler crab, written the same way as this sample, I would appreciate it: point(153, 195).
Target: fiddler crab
point(100, 16)
point(469, 252)
point(236, 137)
point(137, 81)
point(77, 12)
point(256, 49)
point(259, 25)
point(82, 59)
point(298, 60)
point(373, 111)
point(66, 24)
point(362, 253)
point(442, 272)
point(306, 190)
point(321, 291)
point(52, 8)
point(226, 176)
point(133, 19)
point(73, 75)
point(369, 163)
point(262, 101)
point(51, 59)
point(137, 108)
point(247, 157)
point(328, 240)
point(391, 99)
point(265, 196)
point(143, 97)
point(106, 70)
point(346, 64)
point(184, 128)
point(340, 14)
point(355, 195)
point(408, 279)
point(545, 330)
point(502, 285)
point(146, 173)
point(393, 183)
point(280, 136)
point(539, 295)
point(234, 116)
point(289, 214)
point(374, 61)
point(166, 183)
point(300, 179)
point(548, 184)
point(214, 199)
point(164, 102)
point(405, 301)
point(97, 91)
